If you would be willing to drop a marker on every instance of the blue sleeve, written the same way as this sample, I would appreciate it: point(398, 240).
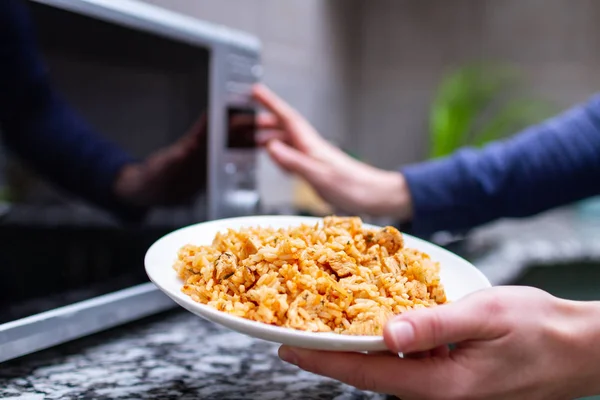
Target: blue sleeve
point(548, 165)
point(41, 128)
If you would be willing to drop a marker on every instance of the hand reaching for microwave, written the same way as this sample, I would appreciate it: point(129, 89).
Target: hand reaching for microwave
point(173, 174)
point(350, 185)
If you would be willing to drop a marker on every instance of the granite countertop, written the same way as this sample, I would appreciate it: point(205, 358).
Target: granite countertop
point(177, 355)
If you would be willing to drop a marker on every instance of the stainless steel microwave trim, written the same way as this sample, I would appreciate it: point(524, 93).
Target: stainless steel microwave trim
point(50, 328)
point(140, 15)
point(227, 47)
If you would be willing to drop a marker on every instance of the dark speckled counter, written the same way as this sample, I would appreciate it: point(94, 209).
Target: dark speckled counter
point(170, 356)
point(180, 356)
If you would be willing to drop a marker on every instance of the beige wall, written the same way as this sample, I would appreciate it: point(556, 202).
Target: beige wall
point(407, 45)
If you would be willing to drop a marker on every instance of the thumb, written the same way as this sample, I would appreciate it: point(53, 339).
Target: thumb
point(427, 329)
point(294, 161)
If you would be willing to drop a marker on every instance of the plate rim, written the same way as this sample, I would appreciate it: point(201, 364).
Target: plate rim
point(243, 325)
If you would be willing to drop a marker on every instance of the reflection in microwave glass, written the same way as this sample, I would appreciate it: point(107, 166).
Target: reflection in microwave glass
point(241, 128)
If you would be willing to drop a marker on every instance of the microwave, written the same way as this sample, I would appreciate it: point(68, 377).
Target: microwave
point(141, 75)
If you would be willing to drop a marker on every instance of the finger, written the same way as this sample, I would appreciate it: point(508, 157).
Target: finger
point(267, 121)
point(274, 103)
point(426, 329)
point(301, 132)
point(296, 162)
point(264, 137)
point(440, 351)
point(382, 374)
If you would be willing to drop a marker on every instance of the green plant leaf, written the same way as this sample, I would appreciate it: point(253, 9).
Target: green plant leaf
point(462, 97)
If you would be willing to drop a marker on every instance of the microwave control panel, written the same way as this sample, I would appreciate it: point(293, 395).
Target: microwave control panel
point(240, 196)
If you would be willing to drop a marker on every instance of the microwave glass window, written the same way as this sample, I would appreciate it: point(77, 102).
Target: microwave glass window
point(139, 90)
point(241, 132)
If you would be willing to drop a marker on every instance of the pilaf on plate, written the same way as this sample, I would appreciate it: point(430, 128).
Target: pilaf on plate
point(336, 276)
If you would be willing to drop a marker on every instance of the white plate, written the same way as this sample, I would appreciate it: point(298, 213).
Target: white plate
point(457, 275)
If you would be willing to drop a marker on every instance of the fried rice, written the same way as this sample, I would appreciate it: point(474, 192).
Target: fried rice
point(336, 276)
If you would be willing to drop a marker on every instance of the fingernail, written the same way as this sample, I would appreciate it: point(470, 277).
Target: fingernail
point(402, 334)
point(288, 355)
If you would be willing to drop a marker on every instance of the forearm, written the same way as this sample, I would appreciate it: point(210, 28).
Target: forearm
point(584, 332)
point(546, 166)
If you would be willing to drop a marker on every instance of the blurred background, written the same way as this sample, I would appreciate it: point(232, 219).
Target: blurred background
point(400, 81)
point(367, 74)
point(392, 82)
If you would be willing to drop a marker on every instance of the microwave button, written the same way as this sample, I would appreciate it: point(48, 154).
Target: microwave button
point(257, 71)
point(230, 169)
point(238, 88)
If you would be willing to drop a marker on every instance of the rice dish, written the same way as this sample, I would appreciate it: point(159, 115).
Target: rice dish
point(334, 276)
